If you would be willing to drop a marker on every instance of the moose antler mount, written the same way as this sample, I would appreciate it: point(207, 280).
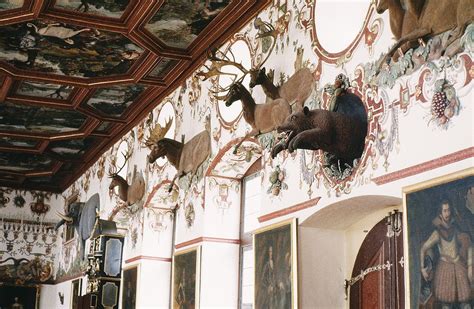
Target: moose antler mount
point(186, 157)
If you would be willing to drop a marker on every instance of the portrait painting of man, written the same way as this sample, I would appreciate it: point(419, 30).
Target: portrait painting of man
point(275, 266)
point(440, 223)
point(186, 266)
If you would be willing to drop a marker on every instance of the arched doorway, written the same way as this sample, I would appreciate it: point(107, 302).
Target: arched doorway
point(377, 277)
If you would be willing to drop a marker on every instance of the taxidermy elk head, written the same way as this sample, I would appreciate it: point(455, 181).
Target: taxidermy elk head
point(155, 141)
point(185, 157)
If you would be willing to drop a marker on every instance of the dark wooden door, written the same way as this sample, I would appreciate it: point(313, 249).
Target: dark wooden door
point(380, 260)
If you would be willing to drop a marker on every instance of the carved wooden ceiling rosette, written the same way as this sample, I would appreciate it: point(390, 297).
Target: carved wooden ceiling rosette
point(76, 75)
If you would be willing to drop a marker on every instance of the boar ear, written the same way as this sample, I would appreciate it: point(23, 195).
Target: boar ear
point(306, 110)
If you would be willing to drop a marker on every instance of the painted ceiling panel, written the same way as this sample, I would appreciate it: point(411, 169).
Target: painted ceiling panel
point(112, 9)
point(179, 22)
point(62, 49)
point(75, 75)
point(6, 141)
point(103, 127)
point(10, 4)
point(71, 149)
point(22, 162)
point(44, 90)
point(43, 120)
point(113, 101)
point(163, 68)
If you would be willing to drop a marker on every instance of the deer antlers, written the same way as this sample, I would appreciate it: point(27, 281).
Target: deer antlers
point(220, 59)
point(218, 62)
point(158, 132)
point(113, 170)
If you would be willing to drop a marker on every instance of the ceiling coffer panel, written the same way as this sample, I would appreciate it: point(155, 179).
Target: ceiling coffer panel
point(115, 100)
point(50, 47)
point(38, 119)
point(44, 90)
point(6, 5)
point(24, 163)
point(8, 142)
point(106, 8)
point(76, 75)
point(179, 22)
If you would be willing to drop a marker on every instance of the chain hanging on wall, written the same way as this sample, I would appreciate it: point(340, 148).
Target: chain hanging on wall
point(394, 228)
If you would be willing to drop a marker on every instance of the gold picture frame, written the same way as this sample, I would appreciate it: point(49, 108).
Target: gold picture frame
point(276, 265)
point(434, 210)
point(186, 277)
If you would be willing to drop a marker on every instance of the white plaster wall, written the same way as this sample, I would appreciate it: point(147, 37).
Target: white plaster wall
point(223, 222)
point(158, 243)
point(153, 291)
point(321, 268)
point(219, 275)
point(49, 298)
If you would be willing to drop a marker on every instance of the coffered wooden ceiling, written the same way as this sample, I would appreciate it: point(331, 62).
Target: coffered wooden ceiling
point(76, 75)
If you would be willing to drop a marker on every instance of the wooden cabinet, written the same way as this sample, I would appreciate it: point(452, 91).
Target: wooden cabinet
point(104, 267)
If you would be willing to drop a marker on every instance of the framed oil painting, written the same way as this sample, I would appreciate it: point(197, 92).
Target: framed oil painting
point(186, 277)
point(14, 296)
point(440, 233)
point(76, 293)
point(275, 258)
point(129, 290)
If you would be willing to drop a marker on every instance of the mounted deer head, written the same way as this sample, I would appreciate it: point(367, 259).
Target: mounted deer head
point(132, 193)
point(113, 172)
point(220, 59)
point(236, 90)
point(154, 141)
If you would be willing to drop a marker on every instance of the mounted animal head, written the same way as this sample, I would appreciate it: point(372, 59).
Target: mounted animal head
point(257, 77)
point(296, 122)
point(234, 94)
point(72, 215)
point(82, 216)
point(382, 5)
point(73, 211)
point(155, 141)
point(114, 173)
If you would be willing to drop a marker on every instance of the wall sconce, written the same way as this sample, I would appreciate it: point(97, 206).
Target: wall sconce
point(394, 223)
point(61, 297)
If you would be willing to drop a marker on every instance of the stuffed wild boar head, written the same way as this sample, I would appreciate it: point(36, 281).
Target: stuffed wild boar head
point(296, 122)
